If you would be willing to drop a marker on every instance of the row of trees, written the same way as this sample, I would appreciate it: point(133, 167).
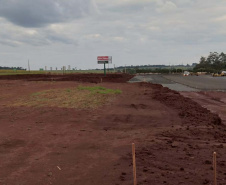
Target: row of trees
point(155, 66)
point(214, 63)
point(157, 70)
point(11, 68)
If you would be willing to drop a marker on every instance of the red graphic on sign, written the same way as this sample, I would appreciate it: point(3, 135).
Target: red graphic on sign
point(104, 58)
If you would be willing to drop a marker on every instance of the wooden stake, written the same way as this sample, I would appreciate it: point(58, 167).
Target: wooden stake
point(215, 167)
point(134, 165)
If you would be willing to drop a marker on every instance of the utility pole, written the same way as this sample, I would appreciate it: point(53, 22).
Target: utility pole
point(28, 65)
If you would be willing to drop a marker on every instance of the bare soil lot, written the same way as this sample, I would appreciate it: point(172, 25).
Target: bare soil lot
point(174, 136)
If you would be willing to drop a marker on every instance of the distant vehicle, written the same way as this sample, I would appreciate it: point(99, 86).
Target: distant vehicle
point(194, 74)
point(186, 73)
point(223, 73)
point(201, 73)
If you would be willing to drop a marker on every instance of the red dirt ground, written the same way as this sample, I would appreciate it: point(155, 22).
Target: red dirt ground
point(174, 136)
point(214, 101)
point(91, 78)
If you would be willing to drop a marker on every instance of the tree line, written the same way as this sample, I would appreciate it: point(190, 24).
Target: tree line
point(214, 63)
point(11, 68)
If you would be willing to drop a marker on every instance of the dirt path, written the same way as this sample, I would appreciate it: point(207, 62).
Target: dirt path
point(41, 146)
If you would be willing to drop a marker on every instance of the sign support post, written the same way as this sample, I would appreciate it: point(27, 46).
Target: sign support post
point(104, 70)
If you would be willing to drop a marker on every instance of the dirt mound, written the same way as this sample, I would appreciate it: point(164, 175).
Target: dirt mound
point(172, 155)
point(92, 78)
point(190, 111)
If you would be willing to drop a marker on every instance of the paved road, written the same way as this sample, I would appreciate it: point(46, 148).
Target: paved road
point(165, 82)
point(185, 83)
point(203, 82)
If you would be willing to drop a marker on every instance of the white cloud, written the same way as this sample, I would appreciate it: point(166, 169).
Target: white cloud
point(153, 28)
point(120, 39)
point(168, 6)
point(92, 36)
point(220, 19)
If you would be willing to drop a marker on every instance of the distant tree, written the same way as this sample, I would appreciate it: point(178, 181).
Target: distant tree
point(11, 68)
point(215, 62)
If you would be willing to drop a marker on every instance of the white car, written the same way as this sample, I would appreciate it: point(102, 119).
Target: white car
point(186, 73)
point(223, 73)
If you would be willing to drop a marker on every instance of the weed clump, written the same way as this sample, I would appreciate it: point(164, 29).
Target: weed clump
point(100, 90)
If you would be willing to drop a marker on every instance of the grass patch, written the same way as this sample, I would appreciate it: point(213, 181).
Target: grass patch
point(100, 90)
point(80, 98)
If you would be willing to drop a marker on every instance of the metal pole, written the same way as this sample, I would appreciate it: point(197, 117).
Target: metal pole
point(28, 66)
point(104, 69)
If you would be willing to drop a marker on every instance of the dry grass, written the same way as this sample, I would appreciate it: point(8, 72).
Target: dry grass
point(80, 98)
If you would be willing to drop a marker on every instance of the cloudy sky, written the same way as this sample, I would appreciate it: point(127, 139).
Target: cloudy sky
point(54, 33)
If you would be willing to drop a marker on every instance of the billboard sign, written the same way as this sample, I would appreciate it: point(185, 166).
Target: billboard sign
point(104, 59)
point(102, 62)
